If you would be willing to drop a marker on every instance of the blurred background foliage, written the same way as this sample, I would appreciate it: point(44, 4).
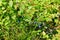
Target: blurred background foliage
point(29, 19)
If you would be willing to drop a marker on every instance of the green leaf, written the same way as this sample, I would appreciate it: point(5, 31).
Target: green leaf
point(10, 3)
